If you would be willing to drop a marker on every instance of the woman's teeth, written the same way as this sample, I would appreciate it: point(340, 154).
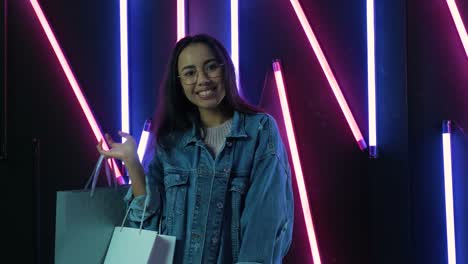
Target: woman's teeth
point(206, 93)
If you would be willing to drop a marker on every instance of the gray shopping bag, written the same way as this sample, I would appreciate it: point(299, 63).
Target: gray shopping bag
point(85, 219)
point(85, 224)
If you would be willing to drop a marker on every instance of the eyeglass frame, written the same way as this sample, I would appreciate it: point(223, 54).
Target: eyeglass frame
point(220, 65)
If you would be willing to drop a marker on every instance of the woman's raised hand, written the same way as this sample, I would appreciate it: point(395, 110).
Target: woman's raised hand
point(125, 152)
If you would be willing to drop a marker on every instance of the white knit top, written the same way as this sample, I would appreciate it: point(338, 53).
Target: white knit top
point(216, 136)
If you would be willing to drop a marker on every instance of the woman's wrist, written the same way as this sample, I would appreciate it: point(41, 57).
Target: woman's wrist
point(132, 162)
point(136, 174)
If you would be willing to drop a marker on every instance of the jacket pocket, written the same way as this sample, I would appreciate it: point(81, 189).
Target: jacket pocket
point(237, 190)
point(176, 184)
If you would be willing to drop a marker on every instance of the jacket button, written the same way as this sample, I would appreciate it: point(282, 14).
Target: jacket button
point(229, 144)
point(220, 205)
point(226, 170)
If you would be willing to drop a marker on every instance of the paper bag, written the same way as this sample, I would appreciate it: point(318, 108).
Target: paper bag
point(132, 245)
point(84, 224)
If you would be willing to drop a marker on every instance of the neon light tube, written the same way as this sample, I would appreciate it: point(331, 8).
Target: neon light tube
point(235, 38)
point(459, 24)
point(449, 214)
point(371, 79)
point(73, 83)
point(180, 19)
point(296, 162)
point(329, 74)
point(144, 140)
point(124, 68)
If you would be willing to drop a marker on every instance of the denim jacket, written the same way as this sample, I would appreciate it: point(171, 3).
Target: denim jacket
point(235, 208)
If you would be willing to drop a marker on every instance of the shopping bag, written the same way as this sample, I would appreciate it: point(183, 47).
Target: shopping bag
point(85, 220)
point(138, 246)
point(84, 224)
point(131, 245)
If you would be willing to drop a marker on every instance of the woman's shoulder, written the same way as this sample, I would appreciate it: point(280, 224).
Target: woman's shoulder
point(259, 117)
point(262, 120)
point(262, 128)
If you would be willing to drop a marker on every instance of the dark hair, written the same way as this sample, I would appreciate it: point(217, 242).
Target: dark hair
point(174, 112)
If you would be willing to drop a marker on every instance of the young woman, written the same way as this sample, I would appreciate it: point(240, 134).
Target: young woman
point(219, 181)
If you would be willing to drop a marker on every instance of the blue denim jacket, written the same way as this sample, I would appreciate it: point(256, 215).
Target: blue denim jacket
point(235, 208)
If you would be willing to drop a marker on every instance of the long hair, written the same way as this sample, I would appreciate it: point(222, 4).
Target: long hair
point(174, 112)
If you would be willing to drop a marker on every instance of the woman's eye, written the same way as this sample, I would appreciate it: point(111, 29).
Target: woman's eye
point(189, 73)
point(212, 67)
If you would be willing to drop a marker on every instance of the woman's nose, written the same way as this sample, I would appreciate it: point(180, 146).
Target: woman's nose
point(202, 78)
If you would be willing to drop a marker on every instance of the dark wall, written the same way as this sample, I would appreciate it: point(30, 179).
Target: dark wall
point(437, 90)
point(17, 170)
point(389, 173)
point(387, 210)
point(3, 90)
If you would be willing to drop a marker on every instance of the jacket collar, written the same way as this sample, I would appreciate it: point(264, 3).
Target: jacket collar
point(237, 130)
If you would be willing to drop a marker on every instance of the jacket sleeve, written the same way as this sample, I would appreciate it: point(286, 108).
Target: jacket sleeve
point(153, 198)
point(267, 219)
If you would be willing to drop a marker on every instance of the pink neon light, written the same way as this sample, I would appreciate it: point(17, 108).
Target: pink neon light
point(72, 80)
point(449, 214)
point(296, 162)
point(180, 19)
point(459, 24)
point(329, 74)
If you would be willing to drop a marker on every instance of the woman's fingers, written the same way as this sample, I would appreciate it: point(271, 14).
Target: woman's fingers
point(106, 153)
point(109, 139)
point(100, 149)
point(128, 137)
point(124, 134)
point(116, 149)
point(121, 133)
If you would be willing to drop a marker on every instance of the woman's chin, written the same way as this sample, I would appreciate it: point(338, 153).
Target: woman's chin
point(208, 105)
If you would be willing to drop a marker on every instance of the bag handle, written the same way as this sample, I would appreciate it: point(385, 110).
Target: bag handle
point(142, 216)
point(95, 175)
point(110, 173)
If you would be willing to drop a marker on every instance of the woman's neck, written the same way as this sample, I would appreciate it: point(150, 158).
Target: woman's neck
point(213, 117)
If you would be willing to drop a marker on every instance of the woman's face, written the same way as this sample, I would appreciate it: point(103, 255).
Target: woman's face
point(201, 76)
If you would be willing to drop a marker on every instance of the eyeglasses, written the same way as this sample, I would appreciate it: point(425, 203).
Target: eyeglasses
point(211, 70)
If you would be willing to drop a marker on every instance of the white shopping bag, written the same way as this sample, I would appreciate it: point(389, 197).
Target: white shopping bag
point(136, 246)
